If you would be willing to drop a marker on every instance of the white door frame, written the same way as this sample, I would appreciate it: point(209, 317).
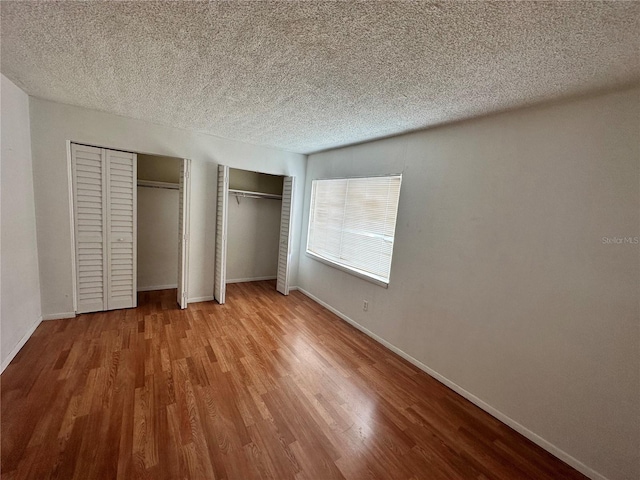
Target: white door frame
point(183, 232)
point(72, 225)
point(74, 278)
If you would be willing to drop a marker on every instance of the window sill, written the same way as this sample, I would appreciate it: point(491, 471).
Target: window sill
point(348, 270)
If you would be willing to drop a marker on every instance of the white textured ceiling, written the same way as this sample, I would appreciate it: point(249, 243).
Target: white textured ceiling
point(314, 75)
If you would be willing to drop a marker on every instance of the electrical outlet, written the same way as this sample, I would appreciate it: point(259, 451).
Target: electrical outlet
point(365, 305)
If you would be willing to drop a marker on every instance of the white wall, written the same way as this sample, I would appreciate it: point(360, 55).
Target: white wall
point(52, 124)
point(252, 238)
point(20, 310)
point(501, 281)
point(157, 238)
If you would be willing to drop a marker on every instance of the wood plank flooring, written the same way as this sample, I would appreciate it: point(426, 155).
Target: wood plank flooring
point(265, 386)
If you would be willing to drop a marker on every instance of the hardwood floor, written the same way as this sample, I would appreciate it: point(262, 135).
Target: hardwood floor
point(265, 386)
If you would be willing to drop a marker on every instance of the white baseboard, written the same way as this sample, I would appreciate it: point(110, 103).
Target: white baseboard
point(23, 340)
point(157, 287)
point(59, 316)
point(549, 447)
point(208, 298)
point(253, 279)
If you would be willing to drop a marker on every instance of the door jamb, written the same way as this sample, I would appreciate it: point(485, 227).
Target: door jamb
point(72, 224)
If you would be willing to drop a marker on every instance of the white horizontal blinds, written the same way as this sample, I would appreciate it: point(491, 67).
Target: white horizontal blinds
point(284, 249)
point(219, 288)
point(353, 221)
point(121, 227)
point(90, 235)
point(327, 217)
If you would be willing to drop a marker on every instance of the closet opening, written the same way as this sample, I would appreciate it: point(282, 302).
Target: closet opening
point(159, 223)
point(252, 229)
point(130, 217)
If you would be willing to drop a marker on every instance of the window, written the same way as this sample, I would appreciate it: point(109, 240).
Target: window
point(352, 224)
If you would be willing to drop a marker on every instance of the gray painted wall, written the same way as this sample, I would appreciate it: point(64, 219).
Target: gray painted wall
point(253, 237)
point(20, 310)
point(501, 281)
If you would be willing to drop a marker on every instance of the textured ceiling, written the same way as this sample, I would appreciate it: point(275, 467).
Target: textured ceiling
point(314, 75)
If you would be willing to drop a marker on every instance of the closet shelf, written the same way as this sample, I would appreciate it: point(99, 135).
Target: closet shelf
point(153, 184)
point(249, 194)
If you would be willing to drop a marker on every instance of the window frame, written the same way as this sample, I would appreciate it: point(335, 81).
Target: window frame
point(348, 269)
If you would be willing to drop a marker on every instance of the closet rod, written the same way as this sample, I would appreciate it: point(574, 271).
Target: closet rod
point(248, 194)
point(152, 184)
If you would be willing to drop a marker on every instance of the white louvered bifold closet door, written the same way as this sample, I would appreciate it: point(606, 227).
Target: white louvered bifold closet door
point(183, 232)
point(284, 252)
point(121, 229)
point(220, 280)
point(104, 201)
point(89, 207)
